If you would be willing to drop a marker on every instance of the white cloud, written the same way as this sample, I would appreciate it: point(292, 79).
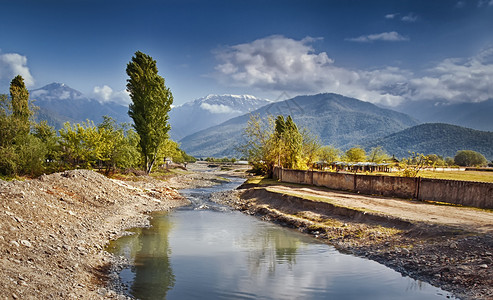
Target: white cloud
point(458, 80)
point(13, 64)
point(482, 3)
point(217, 108)
point(278, 64)
point(460, 4)
point(390, 16)
point(106, 94)
point(410, 18)
point(384, 36)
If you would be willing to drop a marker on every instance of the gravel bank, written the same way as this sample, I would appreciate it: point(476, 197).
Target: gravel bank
point(54, 230)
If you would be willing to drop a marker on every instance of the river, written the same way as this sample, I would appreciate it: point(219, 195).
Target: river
point(208, 251)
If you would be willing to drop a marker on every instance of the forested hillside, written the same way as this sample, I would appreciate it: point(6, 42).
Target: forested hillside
point(436, 138)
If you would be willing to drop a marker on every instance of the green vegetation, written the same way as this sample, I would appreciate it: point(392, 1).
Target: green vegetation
point(469, 158)
point(28, 148)
point(151, 102)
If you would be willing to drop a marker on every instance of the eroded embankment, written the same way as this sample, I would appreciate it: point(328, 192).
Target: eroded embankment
point(450, 257)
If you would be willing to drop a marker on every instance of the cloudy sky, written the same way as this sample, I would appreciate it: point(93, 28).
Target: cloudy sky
point(384, 52)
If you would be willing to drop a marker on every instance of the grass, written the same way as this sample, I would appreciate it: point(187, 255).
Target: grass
point(451, 175)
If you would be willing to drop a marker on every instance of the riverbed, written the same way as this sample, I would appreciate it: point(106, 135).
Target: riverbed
point(208, 251)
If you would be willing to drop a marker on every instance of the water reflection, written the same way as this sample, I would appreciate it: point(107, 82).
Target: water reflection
point(151, 276)
point(267, 249)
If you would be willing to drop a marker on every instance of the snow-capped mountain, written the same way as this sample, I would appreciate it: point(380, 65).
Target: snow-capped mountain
point(60, 103)
point(209, 111)
point(56, 91)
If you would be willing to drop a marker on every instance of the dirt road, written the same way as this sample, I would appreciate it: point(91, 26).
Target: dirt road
point(465, 218)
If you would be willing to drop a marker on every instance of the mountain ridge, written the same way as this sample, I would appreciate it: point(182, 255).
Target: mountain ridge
point(60, 103)
point(209, 111)
point(335, 119)
point(436, 138)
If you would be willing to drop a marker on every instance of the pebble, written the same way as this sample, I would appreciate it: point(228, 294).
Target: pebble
point(14, 243)
point(453, 245)
point(26, 243)
point(483, 266)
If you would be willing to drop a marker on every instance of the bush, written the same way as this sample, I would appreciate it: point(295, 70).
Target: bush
point(469, 158)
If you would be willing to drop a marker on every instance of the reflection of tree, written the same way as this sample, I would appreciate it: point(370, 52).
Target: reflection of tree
point(153, 274)
point(269, 248)
point(149, 251)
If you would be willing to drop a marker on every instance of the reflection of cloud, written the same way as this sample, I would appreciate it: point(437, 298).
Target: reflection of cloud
point(106, 94)
point(277, 64)
point(384, 36)
point(13, 64)
point(218, 108)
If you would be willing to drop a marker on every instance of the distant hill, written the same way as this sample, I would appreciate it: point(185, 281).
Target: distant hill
point(337, 120)
point(436, 138)
point(471, 115)
point(208, 111)
point(60, 103)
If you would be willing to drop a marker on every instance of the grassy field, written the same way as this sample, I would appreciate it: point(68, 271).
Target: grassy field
point(452, 175)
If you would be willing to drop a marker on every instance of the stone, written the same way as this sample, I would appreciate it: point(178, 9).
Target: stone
point(483, 266)
point(14, 243)
point(26, 243)
point(453, 245)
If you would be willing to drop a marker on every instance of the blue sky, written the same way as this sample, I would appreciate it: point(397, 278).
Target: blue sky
point(384, 52)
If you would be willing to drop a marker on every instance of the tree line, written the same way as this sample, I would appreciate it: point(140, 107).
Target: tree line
point(32, 148)
point(279, 141)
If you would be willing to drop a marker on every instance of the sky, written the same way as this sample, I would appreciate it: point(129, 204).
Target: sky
point(385, 52)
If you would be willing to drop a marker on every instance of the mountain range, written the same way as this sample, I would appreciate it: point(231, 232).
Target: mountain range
point(208, 111)
point(337, 120)
point(59, 103)
point(436, 138)
point(472, 115)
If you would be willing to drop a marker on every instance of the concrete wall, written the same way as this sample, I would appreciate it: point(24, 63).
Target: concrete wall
point(476, 194)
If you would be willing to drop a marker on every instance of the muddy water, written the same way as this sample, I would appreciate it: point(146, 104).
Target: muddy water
point(207, 251)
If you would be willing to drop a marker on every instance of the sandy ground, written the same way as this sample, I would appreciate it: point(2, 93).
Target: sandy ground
point(448, 246)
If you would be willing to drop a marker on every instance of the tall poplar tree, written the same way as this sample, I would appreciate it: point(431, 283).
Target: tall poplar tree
point(19, 97)
point(151, 102)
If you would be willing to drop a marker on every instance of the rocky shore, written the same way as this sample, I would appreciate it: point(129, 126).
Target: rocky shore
point(453, 258)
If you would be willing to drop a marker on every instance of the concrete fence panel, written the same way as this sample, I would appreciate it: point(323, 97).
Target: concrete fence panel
point(476, 194)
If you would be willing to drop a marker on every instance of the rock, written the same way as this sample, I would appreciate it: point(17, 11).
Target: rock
point(453, 245)
point(26, 243)
point(483, 266)
point(14, 243)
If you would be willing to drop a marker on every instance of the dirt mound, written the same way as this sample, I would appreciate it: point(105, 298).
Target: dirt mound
point(54, 230)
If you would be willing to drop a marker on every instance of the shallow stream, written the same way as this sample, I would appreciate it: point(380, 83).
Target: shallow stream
point(208, 251)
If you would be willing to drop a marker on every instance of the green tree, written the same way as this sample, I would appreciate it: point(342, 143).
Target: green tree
point(259, 147)
point(329, 154)
point(21, 153)
point(355, 154)
point(19, 97)
point(310, 148)
point(378, 155)
point(293, 144)
point(468, 158)
point(47, 135)
point(151, 102)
